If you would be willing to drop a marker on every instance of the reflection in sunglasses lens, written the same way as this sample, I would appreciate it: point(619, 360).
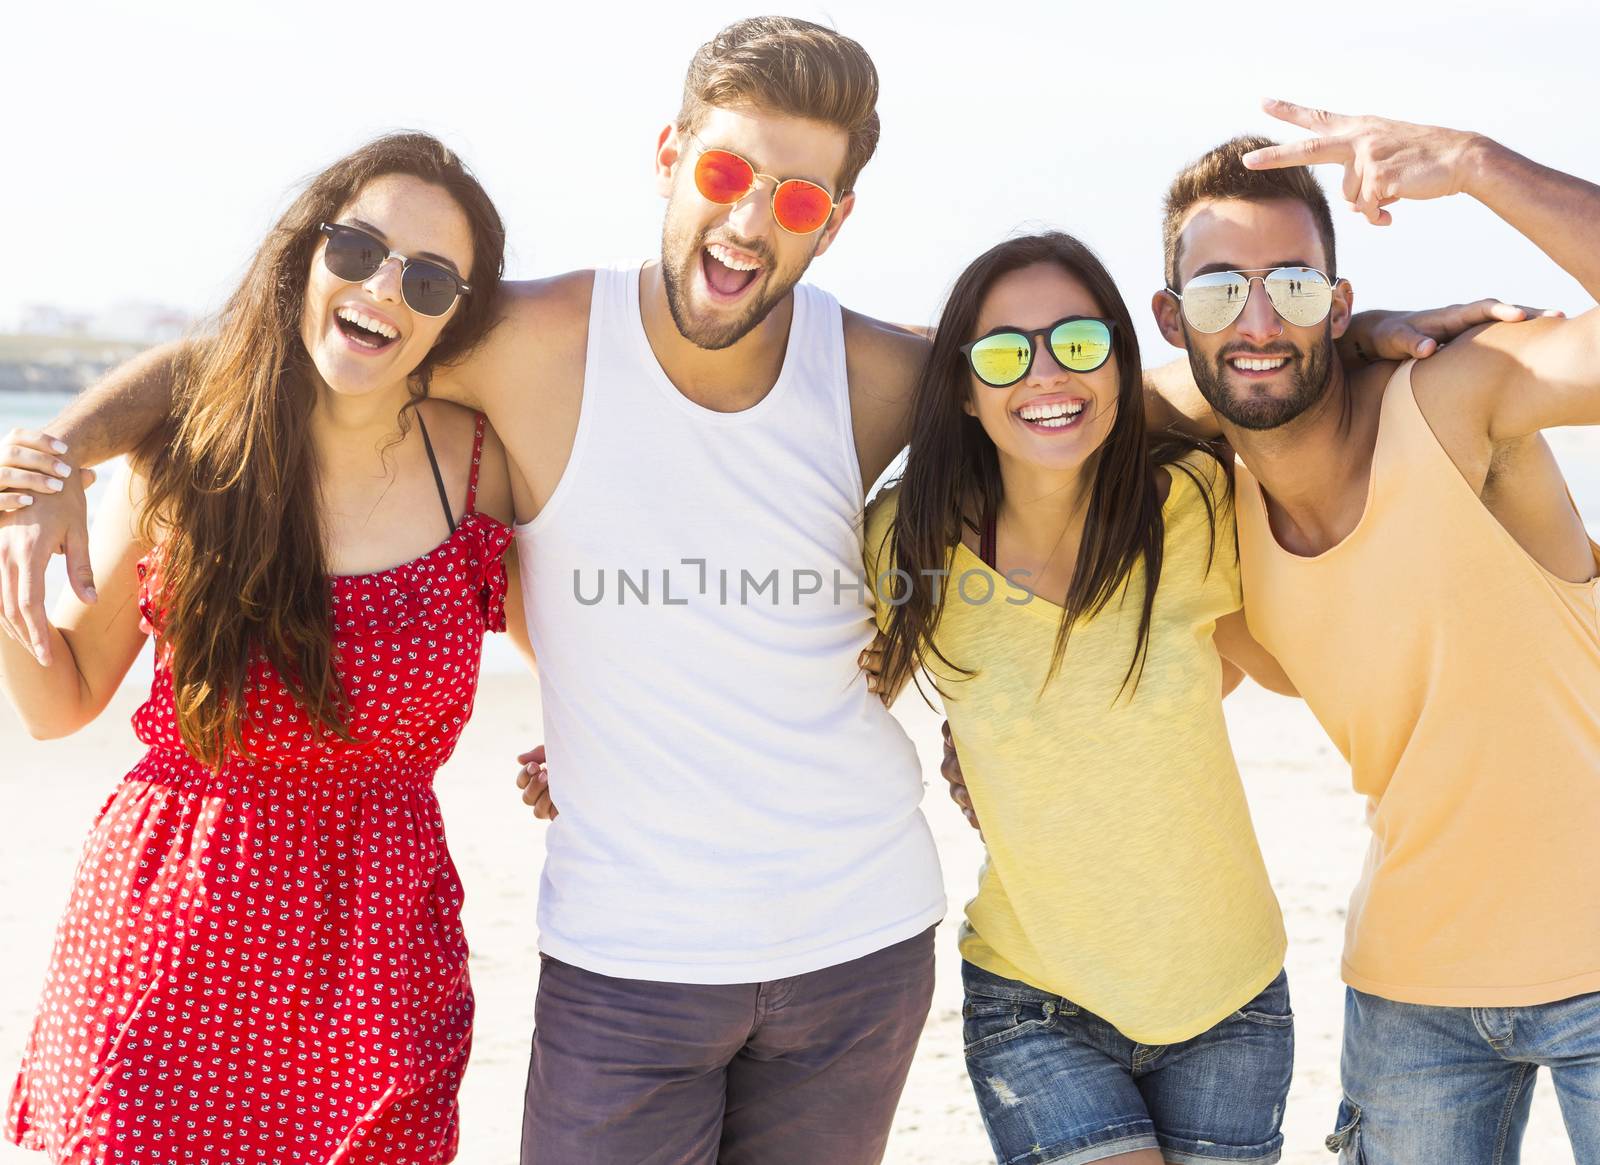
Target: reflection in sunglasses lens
point(1301, 295)
point(1002, 359)
point(353, 255)
point(1081, 345)
point(428, 289)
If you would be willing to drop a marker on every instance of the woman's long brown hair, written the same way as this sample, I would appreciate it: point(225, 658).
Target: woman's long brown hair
point(233, 492)
point(952, 475)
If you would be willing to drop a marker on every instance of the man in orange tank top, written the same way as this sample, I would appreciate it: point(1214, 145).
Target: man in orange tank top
point(1413, 559)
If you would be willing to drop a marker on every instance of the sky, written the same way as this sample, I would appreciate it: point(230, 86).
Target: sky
point(148, 147)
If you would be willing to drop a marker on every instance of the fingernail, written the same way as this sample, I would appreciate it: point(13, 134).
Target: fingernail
point(59, 446)
point(91, 594)
point(62, 469)
point(52, 484)
point(25, 500)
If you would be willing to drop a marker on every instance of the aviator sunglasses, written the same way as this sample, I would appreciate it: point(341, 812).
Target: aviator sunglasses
point(799, 205)
point(355, 256)
point(1303, 296)
point(1004, 356)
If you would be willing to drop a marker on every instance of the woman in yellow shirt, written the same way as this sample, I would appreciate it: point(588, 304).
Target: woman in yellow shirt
point(1071, 586)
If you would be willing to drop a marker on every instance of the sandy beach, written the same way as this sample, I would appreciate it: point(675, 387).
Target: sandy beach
point(1309, 822)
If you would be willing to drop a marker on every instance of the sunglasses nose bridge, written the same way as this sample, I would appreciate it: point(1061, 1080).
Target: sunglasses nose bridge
point(385, 282)
point(1259, 319)
point(751, 211)
point(1044, 366)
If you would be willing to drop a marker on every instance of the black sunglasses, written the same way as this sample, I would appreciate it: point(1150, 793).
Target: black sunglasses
point(355, 256)
point(1004, 356)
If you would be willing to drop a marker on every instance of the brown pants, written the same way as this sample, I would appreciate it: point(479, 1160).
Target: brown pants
point(800, 1071)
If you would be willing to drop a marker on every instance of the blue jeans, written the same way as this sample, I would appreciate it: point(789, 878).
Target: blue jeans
point(1454, 1083)
point(1058, 1084)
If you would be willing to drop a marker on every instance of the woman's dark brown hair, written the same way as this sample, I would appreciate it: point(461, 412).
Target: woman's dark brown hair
point(952, 474)
point(233, 491)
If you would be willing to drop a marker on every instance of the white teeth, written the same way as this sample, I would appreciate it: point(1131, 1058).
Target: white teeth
point(1249, 364)
point(362, 320)
point(1052, 412)
point(726, 257)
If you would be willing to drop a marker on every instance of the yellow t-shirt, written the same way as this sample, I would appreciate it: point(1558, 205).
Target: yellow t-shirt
point(1123, 872)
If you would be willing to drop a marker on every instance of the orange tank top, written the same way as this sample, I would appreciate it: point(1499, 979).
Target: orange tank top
point(1461, 680)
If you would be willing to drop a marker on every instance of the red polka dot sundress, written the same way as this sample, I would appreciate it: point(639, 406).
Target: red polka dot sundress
point(264, 965)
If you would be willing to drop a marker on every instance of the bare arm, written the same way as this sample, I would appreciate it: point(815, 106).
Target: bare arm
point(1515, 381)
point(1546, 374)
point(127, 406)
point(883, 363)
point(1241, 652)
point(92, 646)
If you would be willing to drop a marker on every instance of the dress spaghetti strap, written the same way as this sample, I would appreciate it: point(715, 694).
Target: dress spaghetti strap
point(477, 456)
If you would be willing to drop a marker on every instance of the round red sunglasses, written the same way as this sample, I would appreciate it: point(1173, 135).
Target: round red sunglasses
point(799, 205)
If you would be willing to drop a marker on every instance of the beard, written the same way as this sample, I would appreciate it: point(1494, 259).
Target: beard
point(1308, 372)
point(680, 254)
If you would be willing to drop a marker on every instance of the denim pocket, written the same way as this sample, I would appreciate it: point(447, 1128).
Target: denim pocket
point(1345, 1139)
point(1271, 1007)
point(988, 1023)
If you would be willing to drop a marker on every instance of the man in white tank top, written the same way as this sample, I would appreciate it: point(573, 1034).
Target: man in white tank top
point(736, 915)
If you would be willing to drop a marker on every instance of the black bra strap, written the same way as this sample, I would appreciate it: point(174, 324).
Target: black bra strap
point(438, 478)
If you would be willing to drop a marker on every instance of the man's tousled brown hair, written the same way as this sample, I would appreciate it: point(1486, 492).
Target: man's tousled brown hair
point(1219, 174)
point(233, 501)
point(783, 65)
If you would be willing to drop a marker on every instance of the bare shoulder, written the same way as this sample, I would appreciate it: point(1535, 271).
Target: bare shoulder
point(543, 318)
point(883, 362)
point(556, 301)
point(1454, 390)
point(1466, 372)
point(541, 333)
point(884, 359)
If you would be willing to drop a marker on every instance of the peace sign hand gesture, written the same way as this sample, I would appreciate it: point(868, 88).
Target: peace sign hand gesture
point(1384, 161)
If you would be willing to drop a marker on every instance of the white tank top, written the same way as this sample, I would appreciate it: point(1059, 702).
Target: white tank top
point(735, 805)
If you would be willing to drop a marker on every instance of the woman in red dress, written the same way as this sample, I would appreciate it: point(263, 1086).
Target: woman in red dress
point(262, 958)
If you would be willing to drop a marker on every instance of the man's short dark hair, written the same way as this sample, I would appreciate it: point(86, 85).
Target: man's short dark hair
point(1219, 174)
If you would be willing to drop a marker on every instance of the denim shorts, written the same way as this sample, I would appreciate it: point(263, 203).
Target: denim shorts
point(1058, 1084)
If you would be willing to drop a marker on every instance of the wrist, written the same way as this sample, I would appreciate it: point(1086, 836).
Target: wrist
point(1481, 159)
point(1358, 347)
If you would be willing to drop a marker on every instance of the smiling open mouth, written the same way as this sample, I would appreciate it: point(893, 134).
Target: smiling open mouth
point(1052, 416)
point(1257, 365)
point(729, 273)
point(364, 331)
